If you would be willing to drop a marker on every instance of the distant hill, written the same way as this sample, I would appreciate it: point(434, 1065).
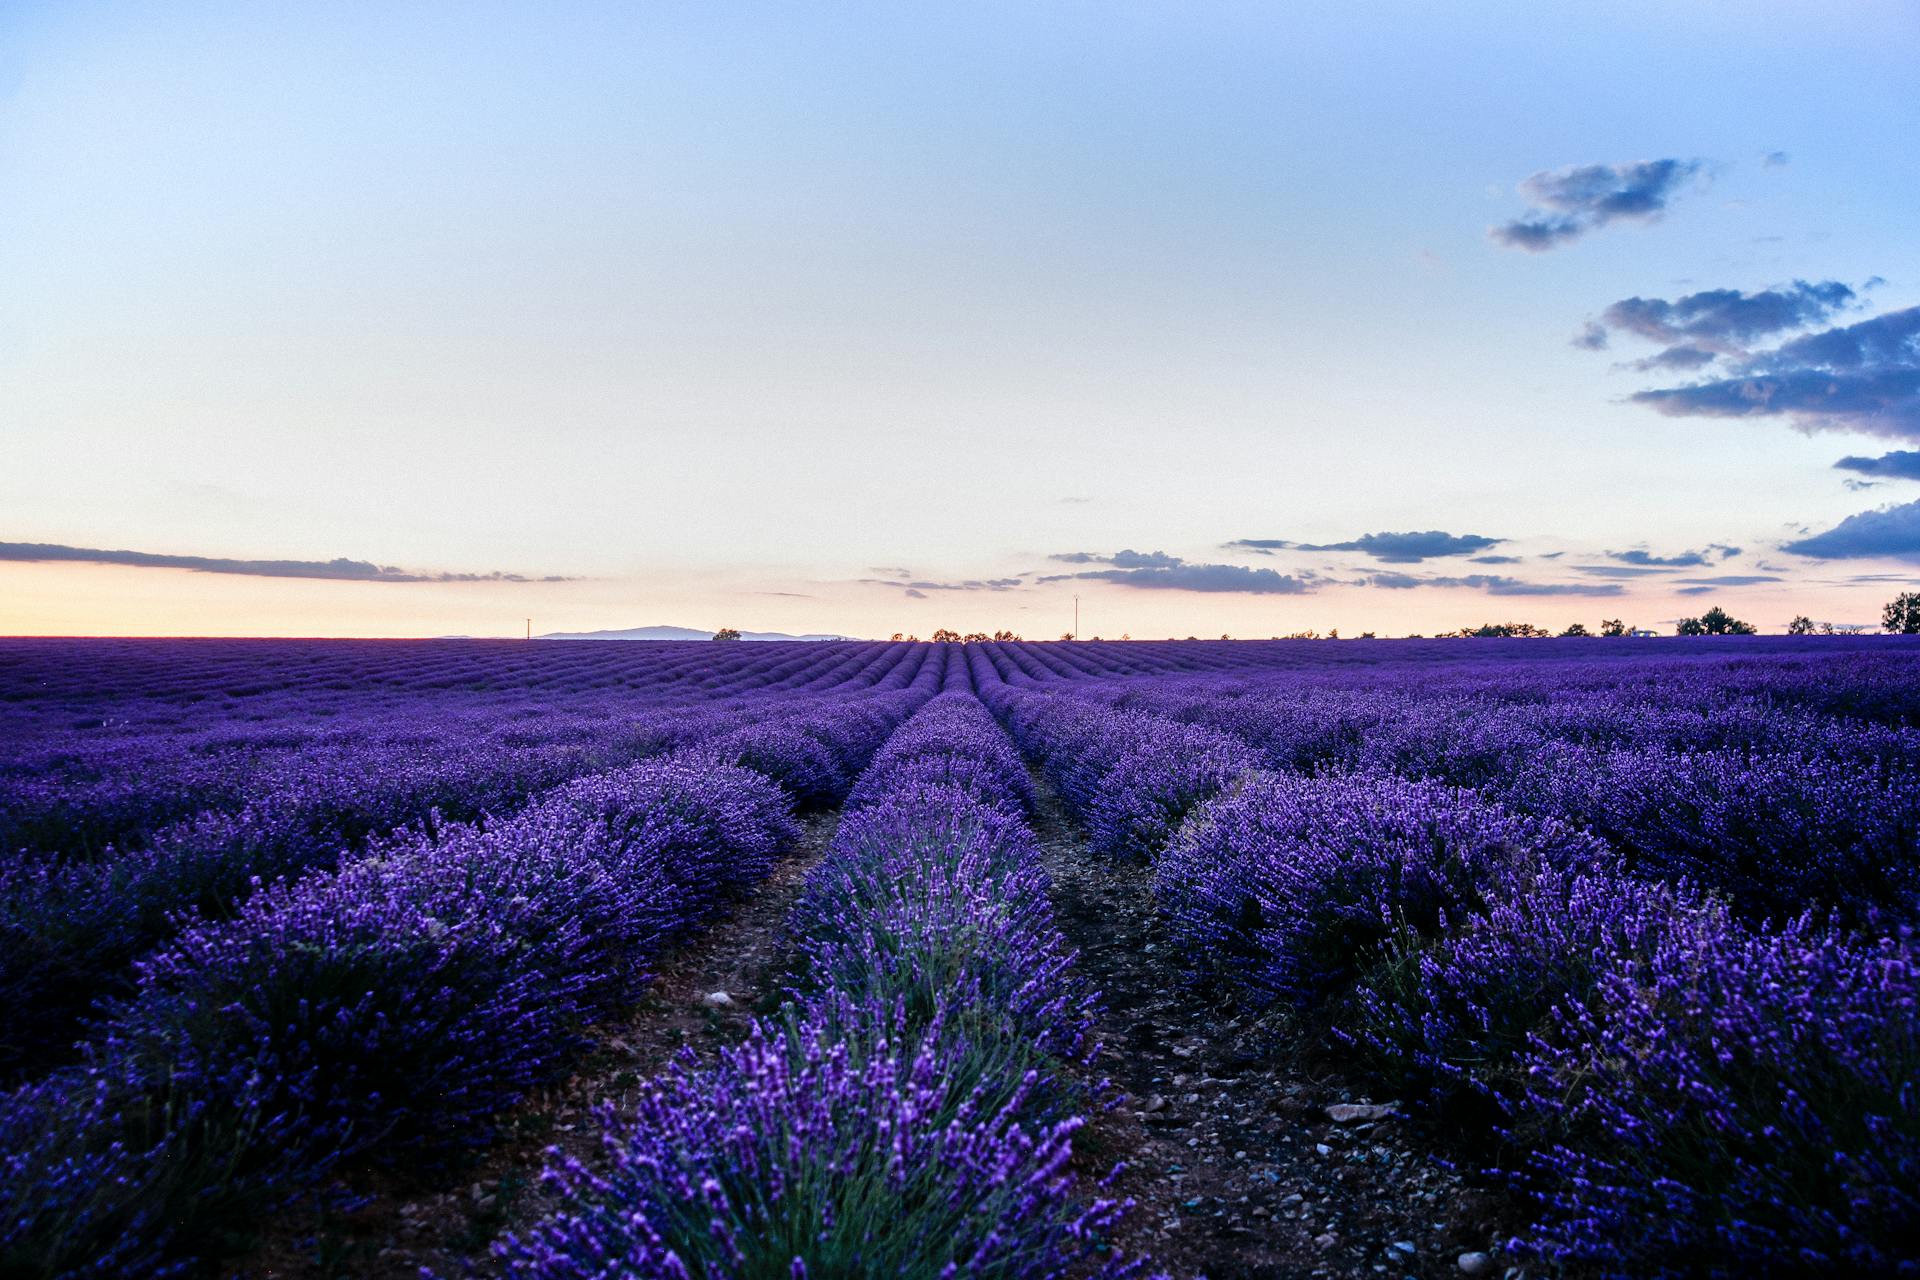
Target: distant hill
point(674, 633)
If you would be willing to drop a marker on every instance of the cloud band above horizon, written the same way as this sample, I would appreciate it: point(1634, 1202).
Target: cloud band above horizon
point(340, 569)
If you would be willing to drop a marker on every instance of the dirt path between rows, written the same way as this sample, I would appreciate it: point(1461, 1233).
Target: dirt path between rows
point(401, 1228)
point(1237, 1168)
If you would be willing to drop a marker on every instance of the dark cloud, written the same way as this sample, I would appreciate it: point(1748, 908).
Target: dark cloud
point(1568, 203)
point(913, 594)
point(1592, 337)
point(1685, 559)
point(1495, 585)
point(1158, 571)
point(1774, 159)
point(1128, 559)
point(1199, 577)
point(1892, 532)
point(1727, 320)
point(1389, 548)
point(1859, 377)
point(1901, 464)
point(340, 570)
point(1496, 559)
point(1676, 359)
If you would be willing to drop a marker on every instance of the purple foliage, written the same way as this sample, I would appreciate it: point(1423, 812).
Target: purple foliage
point(908, 1115)
point(1739, 1104)
point(1449, 1018)
point(382, 889)
point(1775, 832)
point(1292, 885)
point(395, 1004)
point(801, 1153)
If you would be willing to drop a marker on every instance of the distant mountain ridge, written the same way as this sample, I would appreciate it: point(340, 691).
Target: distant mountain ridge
point(675, 633)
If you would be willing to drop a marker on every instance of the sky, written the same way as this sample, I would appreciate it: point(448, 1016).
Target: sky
point(1248, 319)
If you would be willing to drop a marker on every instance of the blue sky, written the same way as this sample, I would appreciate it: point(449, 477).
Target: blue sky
point(763, 315)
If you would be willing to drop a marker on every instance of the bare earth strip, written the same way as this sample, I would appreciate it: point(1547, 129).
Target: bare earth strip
point(404, 1227)
point(1236, 1166)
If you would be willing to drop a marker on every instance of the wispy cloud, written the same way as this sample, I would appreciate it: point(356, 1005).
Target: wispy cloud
point(1730, 580)
point(1495, 585)
point(1569, 203)
point(339, 570)
point(1620, 570)
point(918, 588)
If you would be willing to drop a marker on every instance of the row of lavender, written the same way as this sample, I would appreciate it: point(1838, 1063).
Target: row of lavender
point(83, 683)
point(1677, 1086)
point(1700, 771)
point(385, 1010)
point(70, 789)
point(71, 926)
point(909, 1112)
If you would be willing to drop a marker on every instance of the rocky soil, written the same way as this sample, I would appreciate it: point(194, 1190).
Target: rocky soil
point(1233, 1152)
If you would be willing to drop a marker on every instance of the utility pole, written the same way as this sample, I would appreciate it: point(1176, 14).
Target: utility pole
point(1076, 617)
point(529, 628)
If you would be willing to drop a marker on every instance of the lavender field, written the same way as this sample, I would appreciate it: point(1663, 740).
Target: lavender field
point(1344, 958)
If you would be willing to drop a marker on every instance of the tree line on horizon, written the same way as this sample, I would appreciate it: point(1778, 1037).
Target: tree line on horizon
point(1901, 616)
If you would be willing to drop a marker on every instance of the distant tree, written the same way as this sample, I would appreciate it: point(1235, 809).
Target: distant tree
point(898, 636)
point(1902, 614)
point(973, 637)
point(1004, 636)
point(1367, 635)
point(944, 636)
point(1225, 636)
point(1126, 635)
point(1613, 628)
point(1577, 629)
point(1333, 633)
point(1302, 635)
point(1066, 635)
point(1802, 625)
point(1714, 622)
point(727, 633)
point(1501, 631)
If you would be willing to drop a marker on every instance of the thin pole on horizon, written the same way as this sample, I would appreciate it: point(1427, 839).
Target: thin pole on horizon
point(1076, 617)
point(529, 628)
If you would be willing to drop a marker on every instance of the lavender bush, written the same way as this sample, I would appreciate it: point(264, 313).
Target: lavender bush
point(1292, 886)
point(804, 1153)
